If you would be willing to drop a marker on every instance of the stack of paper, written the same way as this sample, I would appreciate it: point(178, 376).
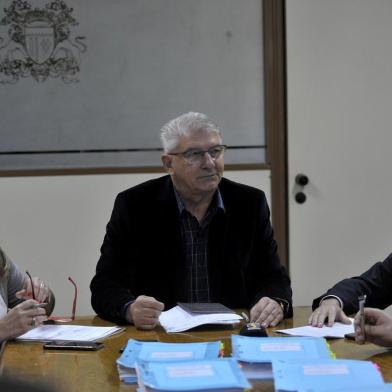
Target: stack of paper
point(207, 375)
point(256, 354)
point(338, 330)
point(324, 375)
point(177, 319)
point(46, 333)
point(162, 352)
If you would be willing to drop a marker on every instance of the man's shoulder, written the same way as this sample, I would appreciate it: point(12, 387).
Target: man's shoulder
point(388, 260)
point(239, 190)
point(150, 188)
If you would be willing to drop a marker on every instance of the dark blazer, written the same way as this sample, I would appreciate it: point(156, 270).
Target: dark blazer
point(376, 283)
point(142, 251)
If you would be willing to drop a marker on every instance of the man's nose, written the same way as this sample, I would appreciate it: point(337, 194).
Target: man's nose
point(208, 159)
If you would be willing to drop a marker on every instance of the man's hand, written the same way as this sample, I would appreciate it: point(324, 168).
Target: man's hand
point(21, 319)
point(328, 309)
point(378, 328)
point(144, 312)
point(267, 312)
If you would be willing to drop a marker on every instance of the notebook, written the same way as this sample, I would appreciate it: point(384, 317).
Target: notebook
point(204, 307)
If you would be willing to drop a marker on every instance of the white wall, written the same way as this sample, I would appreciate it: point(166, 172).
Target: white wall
point(54, 226)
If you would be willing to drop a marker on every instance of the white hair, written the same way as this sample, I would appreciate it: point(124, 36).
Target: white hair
point(184, 125)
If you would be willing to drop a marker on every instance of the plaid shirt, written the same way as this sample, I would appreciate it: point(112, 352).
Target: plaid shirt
point(195, 245)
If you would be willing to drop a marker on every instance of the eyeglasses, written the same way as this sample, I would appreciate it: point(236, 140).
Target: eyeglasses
point(196, 155)
point(31, 283)
point(72, 318)
point(56, 318)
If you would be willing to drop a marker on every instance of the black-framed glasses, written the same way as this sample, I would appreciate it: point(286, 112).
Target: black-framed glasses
point(196, 155)
point(72, 318)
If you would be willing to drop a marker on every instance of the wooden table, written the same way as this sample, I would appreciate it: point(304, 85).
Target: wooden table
point(96, 371)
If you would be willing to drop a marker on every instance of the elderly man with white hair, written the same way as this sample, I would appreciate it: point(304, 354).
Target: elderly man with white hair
point(190, 236)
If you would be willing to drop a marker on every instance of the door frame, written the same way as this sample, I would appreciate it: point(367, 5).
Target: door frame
point(274, 44)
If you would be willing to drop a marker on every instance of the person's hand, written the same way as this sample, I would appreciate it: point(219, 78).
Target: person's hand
point(377, 330)
point(267, 312)
point(41, 290)
point(328, 309)
point(144, 312)
point(21, 319)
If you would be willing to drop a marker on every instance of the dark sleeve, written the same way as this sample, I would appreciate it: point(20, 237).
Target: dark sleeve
point(267, 277)
point(110, 287)
point(376, 283)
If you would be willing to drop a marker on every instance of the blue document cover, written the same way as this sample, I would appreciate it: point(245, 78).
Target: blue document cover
point(387, 387)
point(321, 375)
point(201, 375)
point(255, 349)
point(157, 351)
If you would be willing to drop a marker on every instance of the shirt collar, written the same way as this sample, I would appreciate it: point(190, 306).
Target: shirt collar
point(216, 203)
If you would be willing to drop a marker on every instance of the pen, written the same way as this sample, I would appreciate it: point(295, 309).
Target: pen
point(361, 301)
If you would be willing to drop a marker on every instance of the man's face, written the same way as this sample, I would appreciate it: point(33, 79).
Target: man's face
point(200, 177)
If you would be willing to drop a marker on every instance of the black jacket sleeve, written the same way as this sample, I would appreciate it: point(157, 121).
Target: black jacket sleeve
point(274, 281)
point(251, 265)
point(108, 293)
point(376, 283)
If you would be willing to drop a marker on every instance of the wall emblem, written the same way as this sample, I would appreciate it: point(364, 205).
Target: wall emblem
point(40, 43)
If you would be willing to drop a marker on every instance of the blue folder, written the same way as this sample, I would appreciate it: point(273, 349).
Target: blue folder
point(387, 387)
point(254, 349)
point(322, 375)
point(257, 353)
point(156, 351)
point(202, 375)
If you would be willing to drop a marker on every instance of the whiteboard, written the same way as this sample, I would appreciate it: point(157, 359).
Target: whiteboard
point(140, 64)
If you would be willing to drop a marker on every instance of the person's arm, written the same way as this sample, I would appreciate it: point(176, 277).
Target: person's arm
point(377, 329)
point(114, 273)
point(376, 283)
point(271, 284)
point(42, 293)
point(19, 288)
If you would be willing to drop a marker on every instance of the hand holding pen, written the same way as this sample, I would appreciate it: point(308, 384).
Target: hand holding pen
point(377, 328)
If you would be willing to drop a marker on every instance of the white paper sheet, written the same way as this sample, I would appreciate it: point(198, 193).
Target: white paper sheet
point(338, 330)
point(178, 320)
point(68, 332)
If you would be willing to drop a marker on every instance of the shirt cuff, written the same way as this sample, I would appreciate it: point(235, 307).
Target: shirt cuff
point(332, 296)
point(125, 307)
point(284, 304)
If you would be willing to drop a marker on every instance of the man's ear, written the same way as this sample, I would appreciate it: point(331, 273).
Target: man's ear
point(167, 163)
